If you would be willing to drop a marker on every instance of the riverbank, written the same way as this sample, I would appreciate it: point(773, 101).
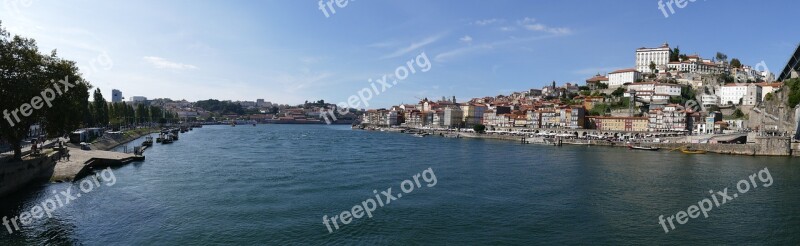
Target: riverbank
point(109, 141)
point(758, 146)
point(48, 166)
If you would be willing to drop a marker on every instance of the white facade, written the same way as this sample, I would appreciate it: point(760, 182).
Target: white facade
point(137, 99)
point(655, 88)
point(659, 56)
point(622, 77)
point(748, 94)
point(710, 100)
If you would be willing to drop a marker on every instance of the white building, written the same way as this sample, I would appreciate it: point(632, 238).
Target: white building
point(710, 100)
point(138, 99)
point(767, 88)
point(622, 77)
point(655, 88)
point(116, 96)
point(747, 94)
point(659, 56)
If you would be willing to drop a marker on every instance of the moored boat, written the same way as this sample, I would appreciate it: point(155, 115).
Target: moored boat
point(649, 148)
point(692, 152)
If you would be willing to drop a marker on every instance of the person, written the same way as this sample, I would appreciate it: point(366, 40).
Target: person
point(67, 155)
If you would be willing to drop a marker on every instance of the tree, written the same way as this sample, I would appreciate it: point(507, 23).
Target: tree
point(736, 63)
point(101, 108)
point(27, 79)
point(722, 57)
point(619, 92)
point(768, 97)
point(738, 114)
point(652, 66)
point(675, 55)
point(479, 128)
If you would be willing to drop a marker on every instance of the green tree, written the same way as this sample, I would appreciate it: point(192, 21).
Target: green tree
point(652, 66)
point(736, 63)
point(675, 55)
point(738, 114)
point(722, 57)
point(27, 77)
point(479, 128)
point(100, 109)
point(619, 92)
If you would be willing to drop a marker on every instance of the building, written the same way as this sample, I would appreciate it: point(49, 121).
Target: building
point(621, 77)
point(670, 118)
point(753, 95)
point(453, 117)
point(654, 92)
point(594, 82)
point(646, 56)
point(767, 88)
point(710, 100)
point(745, 94)
point(138, 99)
point(116, 96)
point(629, 124)
point(472, 114)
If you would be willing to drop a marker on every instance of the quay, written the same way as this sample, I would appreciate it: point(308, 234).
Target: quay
point(749, 144)
point(82, 162)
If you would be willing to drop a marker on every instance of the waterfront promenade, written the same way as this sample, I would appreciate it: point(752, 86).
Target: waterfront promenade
point(755, 146)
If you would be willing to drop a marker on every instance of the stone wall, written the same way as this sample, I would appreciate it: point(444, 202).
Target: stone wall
point(16, 175)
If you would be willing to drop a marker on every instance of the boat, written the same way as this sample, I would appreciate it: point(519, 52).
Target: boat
point(693, 152)
point(420, 135)
point(167, 140)
point(148, 141)
point(643, 148)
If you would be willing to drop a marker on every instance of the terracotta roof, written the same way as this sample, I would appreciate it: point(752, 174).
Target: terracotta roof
point(624, 70)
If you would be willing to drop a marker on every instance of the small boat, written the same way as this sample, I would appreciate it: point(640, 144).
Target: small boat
point(166, 141)
point(148, 141)
point(693, 152)
point(643, 148)
point(419, 135)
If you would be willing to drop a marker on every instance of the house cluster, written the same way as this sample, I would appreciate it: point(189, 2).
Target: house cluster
point(658, 78)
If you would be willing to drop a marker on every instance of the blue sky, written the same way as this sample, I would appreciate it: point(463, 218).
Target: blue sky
point(288, 51)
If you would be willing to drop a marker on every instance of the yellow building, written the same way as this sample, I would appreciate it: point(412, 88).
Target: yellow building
point(628, 124)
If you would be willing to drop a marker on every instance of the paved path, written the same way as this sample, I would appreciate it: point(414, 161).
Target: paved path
point(67, 170)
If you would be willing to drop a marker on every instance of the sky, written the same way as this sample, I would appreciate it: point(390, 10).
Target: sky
point(289, 51)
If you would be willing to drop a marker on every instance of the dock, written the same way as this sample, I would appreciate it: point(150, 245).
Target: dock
point(82, 162)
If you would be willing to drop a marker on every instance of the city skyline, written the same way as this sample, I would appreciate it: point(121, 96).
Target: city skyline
point(290, 52)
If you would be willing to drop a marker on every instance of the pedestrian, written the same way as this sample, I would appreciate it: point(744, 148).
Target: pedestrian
point(67, 155)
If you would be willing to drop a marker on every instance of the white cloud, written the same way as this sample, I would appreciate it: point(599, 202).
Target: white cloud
point(166, 64)
point(486, 22)
point(413, 46)
point(466, 39)
point(532, 25)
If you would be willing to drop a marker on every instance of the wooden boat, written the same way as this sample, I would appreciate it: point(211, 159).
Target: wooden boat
point(643, 148)
point(693, 152)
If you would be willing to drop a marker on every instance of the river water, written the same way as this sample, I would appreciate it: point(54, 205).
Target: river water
point(273, 184)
